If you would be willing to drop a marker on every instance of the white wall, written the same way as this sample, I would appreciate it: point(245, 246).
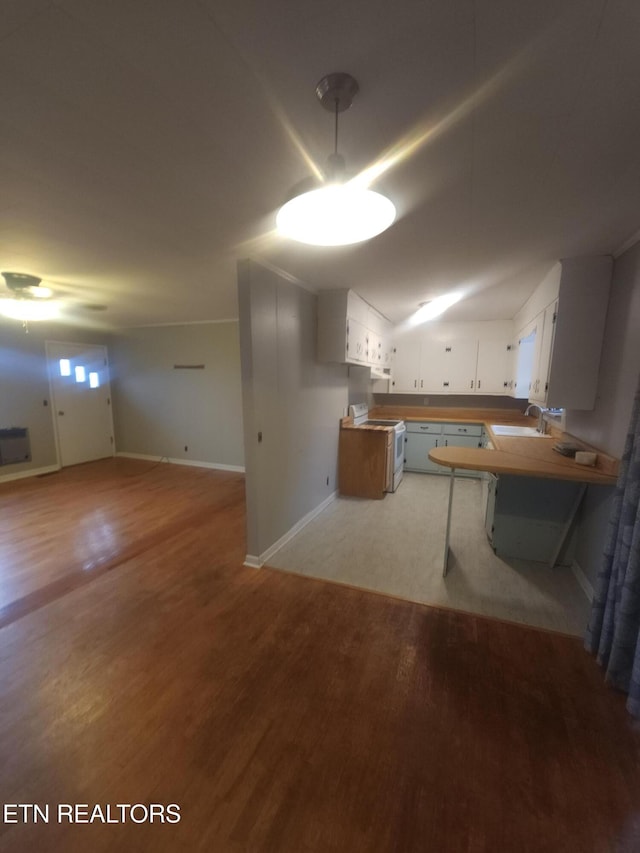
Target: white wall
point(544, 294)
point(24, 387)
point(159, 410)
point(289, 399)
point(606, 426)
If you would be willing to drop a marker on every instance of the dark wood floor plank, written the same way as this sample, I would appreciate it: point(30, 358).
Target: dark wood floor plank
point(282, 713)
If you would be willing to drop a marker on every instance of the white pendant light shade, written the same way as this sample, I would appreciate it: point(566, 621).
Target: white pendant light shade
point(335, 215)
point(342, 211)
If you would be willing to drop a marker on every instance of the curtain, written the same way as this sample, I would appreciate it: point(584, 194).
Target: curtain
point(613, 632)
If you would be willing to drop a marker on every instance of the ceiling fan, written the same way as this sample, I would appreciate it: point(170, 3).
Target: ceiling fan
point(26, 299)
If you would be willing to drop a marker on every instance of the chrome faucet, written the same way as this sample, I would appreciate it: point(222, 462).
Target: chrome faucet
point(541, 422)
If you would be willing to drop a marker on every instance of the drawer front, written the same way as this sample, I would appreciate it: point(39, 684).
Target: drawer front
point(424, 428)
point(462, 429)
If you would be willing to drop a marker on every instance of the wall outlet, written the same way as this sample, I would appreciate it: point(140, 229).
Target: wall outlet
point(425, 401)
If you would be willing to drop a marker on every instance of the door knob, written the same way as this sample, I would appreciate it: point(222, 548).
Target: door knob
point(61, 413)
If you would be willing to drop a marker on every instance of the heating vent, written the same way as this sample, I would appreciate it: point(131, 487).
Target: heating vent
point(14, 445)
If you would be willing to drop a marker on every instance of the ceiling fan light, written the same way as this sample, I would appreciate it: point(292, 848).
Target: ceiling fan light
point(335, 215)
point(41, 292)
point(27, 310)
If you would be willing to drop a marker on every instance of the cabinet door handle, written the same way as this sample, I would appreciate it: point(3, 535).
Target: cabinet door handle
point(471, 386)
point(436, 442)
point(422, 383)
point(415, 383)
point(445, 384)
point(478, 383)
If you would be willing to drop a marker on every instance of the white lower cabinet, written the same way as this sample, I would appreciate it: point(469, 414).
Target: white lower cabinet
point(527, 517)
point(423, 436)
point(419, 439)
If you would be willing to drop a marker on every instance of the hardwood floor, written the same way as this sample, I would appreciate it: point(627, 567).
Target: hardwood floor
point(147, 665)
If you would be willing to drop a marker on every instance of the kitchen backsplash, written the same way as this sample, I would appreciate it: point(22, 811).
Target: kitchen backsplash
point(466, 401)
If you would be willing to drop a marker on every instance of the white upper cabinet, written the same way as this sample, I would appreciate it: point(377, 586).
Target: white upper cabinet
point(454, 358)
point(350, 331)
point(566, 316)
point(357, 343)
point(495, 367)
point(546, 324)
point(459, 367)
point(406, 370)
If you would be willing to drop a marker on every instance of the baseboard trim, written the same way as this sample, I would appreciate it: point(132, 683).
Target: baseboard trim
point(32, 472)
point(257, 562)
point(585, 584)
point(218, 466)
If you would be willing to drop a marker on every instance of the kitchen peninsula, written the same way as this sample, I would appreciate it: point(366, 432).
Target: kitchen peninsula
point(522, 461)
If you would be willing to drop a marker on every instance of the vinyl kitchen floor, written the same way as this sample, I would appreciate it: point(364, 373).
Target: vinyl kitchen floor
point(395, 546)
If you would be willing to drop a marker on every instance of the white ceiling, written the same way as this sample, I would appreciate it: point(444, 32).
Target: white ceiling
point(145, 145)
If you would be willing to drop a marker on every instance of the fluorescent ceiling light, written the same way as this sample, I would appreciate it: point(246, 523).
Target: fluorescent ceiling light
point(28, 310)
point(430, 310)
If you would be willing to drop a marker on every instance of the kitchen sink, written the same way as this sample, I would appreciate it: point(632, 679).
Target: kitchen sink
point(520, 431)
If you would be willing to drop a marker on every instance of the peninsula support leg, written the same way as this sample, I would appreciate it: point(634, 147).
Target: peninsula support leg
point(567, 525)
point(445, 567)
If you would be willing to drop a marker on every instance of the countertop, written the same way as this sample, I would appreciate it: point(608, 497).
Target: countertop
point(532, 457)
point(524, 462)
point(347, 423)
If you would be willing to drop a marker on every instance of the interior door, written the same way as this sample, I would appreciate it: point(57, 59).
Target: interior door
point(81, 401)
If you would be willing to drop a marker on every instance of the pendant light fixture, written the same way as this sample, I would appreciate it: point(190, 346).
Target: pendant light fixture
point(338, 211)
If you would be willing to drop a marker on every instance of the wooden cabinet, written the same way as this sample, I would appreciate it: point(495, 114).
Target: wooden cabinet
point(364, 470)
point(350, 331)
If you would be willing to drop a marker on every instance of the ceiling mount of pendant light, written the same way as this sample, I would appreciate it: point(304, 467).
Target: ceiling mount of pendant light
point(338, 212)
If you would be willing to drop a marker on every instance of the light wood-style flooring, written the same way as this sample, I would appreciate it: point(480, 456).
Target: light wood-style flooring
point(140, 662)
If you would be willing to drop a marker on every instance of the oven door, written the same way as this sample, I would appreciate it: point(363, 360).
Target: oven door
point(398, 459)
